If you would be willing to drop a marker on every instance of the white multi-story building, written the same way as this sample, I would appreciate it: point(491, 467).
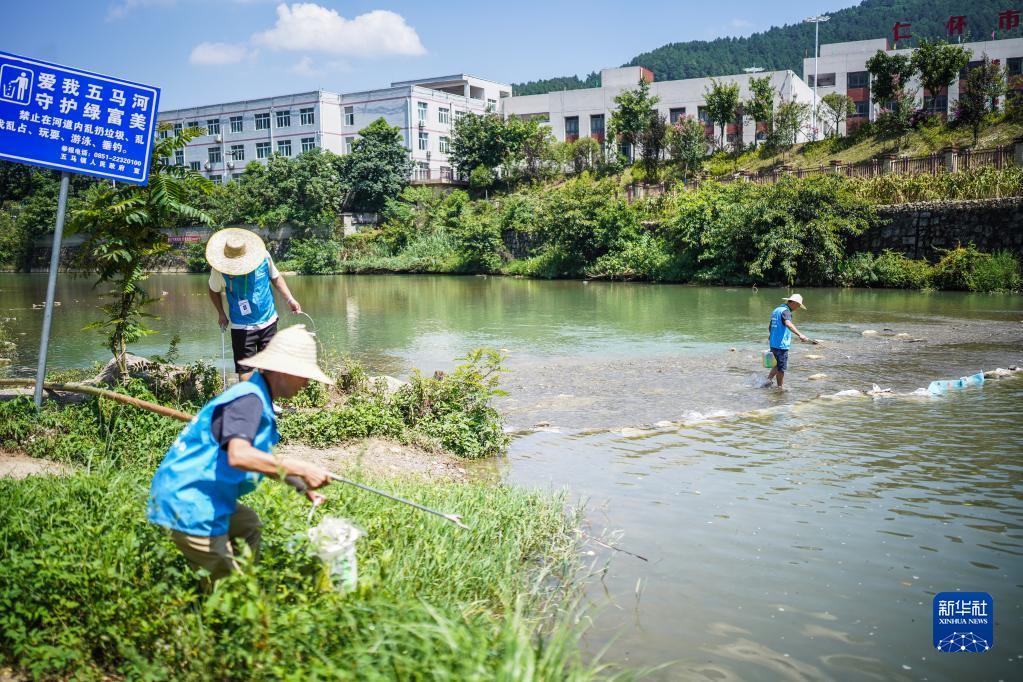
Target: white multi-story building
point(424, 110)
point(575, 113)
point(842, 67)
point(239, 132)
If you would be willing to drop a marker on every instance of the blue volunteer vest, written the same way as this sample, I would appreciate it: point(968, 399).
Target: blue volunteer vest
point(781, 336)
point(254, 288)
point(195, 490)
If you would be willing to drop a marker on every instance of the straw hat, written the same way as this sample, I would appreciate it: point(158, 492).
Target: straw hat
point(796, 298)
point(234, 251)
point(292, 351)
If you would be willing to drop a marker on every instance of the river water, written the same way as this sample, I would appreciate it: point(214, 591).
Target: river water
point(789, 535)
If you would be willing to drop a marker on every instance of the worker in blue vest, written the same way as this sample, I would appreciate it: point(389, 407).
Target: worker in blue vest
point(243, 271)
point(225, 451)
point(781, 330)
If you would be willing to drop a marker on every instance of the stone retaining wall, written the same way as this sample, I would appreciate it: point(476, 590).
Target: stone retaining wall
point(923, 230)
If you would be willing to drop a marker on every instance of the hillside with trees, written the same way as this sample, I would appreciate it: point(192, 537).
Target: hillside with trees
point(784, 47)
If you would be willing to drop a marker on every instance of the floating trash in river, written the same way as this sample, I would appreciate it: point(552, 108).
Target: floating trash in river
point(944, 385)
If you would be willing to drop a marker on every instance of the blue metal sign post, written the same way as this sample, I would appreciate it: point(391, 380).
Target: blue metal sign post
point(73, 121)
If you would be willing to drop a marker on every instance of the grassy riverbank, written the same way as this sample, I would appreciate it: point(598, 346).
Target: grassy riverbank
point(798, 232)
point(89, 589)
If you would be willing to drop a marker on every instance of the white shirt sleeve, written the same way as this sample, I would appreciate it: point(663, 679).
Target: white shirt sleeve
point(217, 283)
point(274, 274)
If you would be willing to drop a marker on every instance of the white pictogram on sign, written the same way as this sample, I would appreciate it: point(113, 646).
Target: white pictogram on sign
point(16, 84)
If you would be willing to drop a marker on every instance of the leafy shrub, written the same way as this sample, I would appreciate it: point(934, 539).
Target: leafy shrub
point(890, 269)
point(476, 236)
point(195, 258)
point(964, 268)
point(315, 256)
point(455, 409)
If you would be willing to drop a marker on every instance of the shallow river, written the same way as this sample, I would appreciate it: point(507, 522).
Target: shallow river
point(790, 535)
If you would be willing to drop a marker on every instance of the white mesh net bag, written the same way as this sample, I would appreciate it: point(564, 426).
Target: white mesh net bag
point(333, 540)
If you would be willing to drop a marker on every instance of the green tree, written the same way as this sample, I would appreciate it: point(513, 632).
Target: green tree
point(529, 148)
point(478, 141)
point(633, 113)
point(652, 140)
point(890, 75)
point(722, 101)
point(123, 229)
point(979, 96)
point(790, 119)
point(582, 155)
point(687, 144)
point(378, 167)
point(939, 65)
point(760, 105)
point(835, 108)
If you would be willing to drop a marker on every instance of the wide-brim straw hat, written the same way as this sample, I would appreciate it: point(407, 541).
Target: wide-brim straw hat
point(796, 298)
point(292, 351)
point(235, 251)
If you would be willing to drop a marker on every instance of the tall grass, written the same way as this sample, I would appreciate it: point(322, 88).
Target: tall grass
point(977, 183)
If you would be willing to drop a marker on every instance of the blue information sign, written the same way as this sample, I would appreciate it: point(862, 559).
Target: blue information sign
point(76, 121)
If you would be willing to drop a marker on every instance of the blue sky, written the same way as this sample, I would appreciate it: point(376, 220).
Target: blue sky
point(208, 51)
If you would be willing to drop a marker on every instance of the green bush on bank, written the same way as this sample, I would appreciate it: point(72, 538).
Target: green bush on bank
point(795, 232)
point(963, 268)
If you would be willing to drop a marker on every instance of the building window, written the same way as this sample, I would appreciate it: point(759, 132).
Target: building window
point(179, 157)
point(213, 155)
point(491, 105)
point(236, 124)
point(446, 174)
point(1014, 66)
point(443, 115)
point(213, 126)
point(236, 176)
point(423, 108)
point(703, 116)
point(571, 128)
point(284, 119)
point(459, 114)
point(195, 165)
point(858, 79)
point(938, 104)
point(308, 116)
point(597, 125)
point(676, 115)
point(422, 171)
point(444, 144)
point(263, 121)
point(217, 179)
point(349, 116)
point(164, 134)
point(970, 66)
point(284, 147)
point(177, 128)
point(238, 152)
point(349, 145)
point(826, 80)
point(262, 150)
point(424, 141)
point(193, 124)
point(863, 108)
point(164, 160)
point(308, 144)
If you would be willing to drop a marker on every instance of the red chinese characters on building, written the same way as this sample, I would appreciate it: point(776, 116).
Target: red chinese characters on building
point(897, 31)
point(1008, 20)
point(956, 25)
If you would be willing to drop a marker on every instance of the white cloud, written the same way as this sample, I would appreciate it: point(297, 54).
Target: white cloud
point(305, 67)
point(121, 8)
point(218, 54)
point(308, 26)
